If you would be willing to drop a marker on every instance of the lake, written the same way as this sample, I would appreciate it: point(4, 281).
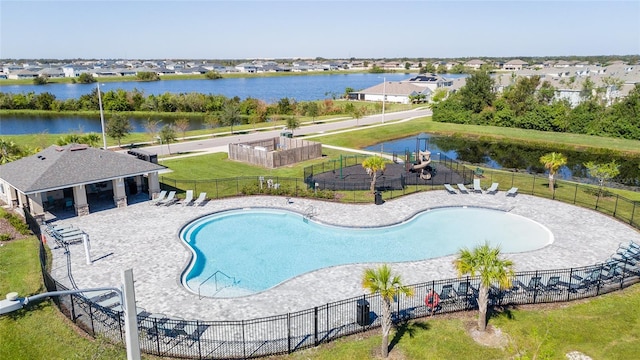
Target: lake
point(269, 89)
point(504, 154)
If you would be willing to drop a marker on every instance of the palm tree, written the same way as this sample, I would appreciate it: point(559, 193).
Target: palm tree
point(389, 285)
point(9, 151)
point(485, 262)
point(552, 162)
point(373, 164)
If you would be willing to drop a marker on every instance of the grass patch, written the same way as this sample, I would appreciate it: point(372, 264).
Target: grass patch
point(40, 331)
point(606, 327)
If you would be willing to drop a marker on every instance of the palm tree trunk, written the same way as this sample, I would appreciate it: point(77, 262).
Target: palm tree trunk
point(386, 326)
point(373, 181)
point(551, 181)
point(483, 300)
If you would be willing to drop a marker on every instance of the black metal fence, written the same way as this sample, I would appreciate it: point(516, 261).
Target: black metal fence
point(584, 195)
point(286, 333)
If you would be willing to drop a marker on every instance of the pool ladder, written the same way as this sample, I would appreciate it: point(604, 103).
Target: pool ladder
point(215, 278)
point(310, 212)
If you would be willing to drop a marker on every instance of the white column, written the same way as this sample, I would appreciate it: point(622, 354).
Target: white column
point(154, 185)
point(131, 316)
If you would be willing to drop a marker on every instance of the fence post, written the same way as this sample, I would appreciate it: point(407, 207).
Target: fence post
point(570, 283)
point(575, 195)
point(199, 339)
point(244, 343)
point(315, 324)
point(599, 279)
point(633, 210)
point(535, 289)
point(288, 333)
point(533, 187)
point(513, 176)
point(73, 310)
point(155, 329)
point(615, 207)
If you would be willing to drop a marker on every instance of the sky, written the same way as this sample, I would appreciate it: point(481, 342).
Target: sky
point(185, 29)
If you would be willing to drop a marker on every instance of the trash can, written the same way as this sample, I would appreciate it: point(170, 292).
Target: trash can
point(363, 312)
point(378, 198)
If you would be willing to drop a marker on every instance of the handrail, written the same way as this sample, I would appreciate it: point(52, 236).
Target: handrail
point(310, 212)
point(215, 275)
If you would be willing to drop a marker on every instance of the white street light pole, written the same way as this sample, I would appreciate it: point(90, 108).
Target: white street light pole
point(127, 299)
point(104, 137)
point(384, 95)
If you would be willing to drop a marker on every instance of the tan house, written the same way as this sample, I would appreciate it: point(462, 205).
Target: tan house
point(474, 64)
point(514, 65)
point(76, 178)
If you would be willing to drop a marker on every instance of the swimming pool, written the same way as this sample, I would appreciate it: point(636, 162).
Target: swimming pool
point(241, 252)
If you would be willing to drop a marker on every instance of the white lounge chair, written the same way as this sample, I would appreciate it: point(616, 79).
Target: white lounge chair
point(201, 198)
point(450, 189)
point(171, 198)
point(463, 189)
point(493, 188)
point(512, 192)
point(476, 186)
point(159, 198)
point(188, 198)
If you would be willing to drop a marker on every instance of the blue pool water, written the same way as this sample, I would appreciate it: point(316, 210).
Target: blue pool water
point(260, 248)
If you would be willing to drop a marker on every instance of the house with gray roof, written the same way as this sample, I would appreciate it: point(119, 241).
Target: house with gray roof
point(75, 177)
point(391, 91)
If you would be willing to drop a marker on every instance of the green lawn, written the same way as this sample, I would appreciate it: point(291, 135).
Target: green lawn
point(41, 332)
point(606, 327)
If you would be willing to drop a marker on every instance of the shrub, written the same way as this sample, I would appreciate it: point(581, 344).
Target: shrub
point(17, 223)
point(5, 237)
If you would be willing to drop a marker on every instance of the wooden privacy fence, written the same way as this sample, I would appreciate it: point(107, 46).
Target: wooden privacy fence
point(275, 152)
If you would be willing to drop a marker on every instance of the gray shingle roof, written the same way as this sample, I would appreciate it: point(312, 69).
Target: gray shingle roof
point(58, 167)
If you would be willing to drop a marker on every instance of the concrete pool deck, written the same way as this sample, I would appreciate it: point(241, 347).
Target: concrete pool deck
point(145, 238)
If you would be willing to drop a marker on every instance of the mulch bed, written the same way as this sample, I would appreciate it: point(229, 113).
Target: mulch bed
point(6, 228)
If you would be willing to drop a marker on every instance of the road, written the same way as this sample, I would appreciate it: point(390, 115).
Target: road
point(220, 143)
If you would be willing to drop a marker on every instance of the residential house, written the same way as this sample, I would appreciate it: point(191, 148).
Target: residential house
point(474, 64)
point(391, 91)
point(514, 65)
point(431, 81)
point(247, 68)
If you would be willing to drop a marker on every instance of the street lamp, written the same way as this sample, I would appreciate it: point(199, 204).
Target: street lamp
point(127, 299)
point(104, 138)
point(384, 95)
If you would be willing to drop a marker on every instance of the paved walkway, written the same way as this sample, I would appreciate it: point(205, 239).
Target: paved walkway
point(145, 238)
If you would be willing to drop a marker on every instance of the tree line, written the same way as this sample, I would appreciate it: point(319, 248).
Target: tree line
point(530, 103)
point(135, 100)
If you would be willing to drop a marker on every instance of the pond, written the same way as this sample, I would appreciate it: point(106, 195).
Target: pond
point(503, 154)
